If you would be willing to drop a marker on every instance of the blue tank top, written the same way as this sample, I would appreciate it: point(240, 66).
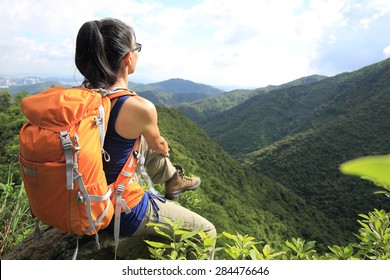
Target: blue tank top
point(116, 146)
point(119, 149)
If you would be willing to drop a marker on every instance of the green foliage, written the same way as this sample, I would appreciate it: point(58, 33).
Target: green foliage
point(181, 243)
point(11, 120)
point(15, 219)
point(300, 249)
point(190, 200)
point(374, 235)
point(244, 247)
point(372, 168)
point(16, 222)
point(340, 253)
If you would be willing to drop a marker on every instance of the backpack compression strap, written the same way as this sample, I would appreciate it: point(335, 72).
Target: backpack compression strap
point(125, 177)
point(133, 165)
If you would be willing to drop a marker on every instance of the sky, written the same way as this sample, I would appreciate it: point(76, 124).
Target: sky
point(223, 43)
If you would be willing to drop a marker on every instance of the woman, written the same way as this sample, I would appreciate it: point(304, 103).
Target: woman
point(106, 54)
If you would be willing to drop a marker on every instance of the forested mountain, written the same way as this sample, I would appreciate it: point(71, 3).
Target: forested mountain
point(266, 118)
point(298, 136)
point(174, 91)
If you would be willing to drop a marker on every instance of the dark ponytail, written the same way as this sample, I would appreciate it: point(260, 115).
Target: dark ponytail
point(100, 48)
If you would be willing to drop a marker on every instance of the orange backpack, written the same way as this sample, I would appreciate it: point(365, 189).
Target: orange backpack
point(61, 159)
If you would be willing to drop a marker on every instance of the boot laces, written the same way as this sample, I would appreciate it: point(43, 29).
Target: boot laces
point(182, 176)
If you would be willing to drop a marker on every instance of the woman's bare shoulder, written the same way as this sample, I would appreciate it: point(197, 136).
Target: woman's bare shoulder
point(140, 106)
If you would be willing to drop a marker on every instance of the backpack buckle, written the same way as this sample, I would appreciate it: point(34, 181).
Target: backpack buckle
point(80, 198)
point(120, 189)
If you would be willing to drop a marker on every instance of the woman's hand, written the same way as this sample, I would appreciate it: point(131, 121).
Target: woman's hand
point(165, 147)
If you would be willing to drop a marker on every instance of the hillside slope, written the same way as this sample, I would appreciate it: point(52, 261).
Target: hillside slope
point(307, 132)
point(174, 91)
point(235, 198)
point(264, 119)
point(308, 164)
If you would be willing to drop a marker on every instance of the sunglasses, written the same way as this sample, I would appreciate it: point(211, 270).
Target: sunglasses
point(137, 48)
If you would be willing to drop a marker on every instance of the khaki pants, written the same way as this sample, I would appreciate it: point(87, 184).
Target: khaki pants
point(173, 212)
point(134, 247)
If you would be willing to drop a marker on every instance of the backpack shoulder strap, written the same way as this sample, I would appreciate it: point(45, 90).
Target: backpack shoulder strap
point(115, 92)
point(124, 177)
point(121, 93)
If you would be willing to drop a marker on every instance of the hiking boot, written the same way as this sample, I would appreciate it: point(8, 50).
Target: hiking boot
point(180, 183)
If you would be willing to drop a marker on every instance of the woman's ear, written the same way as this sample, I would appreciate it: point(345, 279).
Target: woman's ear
point(127, 58)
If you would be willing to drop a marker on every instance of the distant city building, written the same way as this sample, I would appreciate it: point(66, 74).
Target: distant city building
point(7, 82)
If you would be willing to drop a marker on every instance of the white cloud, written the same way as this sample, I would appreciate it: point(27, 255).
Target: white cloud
point(247, 42)
point(264, 41)
point(386, 51)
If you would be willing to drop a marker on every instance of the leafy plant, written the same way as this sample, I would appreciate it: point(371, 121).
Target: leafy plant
point(374, 235)
point(301, 250)
point(15, 219)
point(244, 248)
point(340, 253)
point(181, 243)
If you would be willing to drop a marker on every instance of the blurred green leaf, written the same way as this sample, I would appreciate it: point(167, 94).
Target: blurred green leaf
point(374, 168)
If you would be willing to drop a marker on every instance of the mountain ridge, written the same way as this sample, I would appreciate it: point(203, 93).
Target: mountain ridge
point(178, 86)
point(202, 110)
point(298, 136)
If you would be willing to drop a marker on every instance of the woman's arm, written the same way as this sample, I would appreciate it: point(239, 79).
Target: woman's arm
point(151, 131)
point(139, 116)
